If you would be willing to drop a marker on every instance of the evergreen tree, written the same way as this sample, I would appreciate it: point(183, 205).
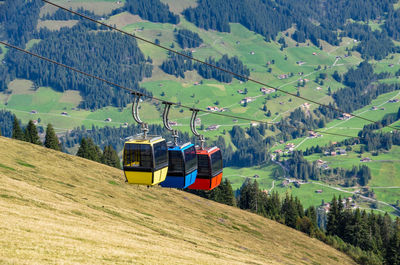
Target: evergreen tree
point(89, 150)
point(110, 157)
point(51, 139)
point(31, 134)
point(17, 131)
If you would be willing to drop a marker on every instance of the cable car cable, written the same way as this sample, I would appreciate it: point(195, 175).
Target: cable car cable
point(161, 100)
point(213, 66)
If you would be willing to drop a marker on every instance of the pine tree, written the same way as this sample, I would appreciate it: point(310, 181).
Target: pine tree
point(110, 157)
point(31, 134)
point(89, 150)
point(51, 140)
point(17, 131)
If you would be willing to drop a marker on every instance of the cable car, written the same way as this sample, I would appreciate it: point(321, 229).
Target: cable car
point(209, 169)
point(145, 157)
point(145, 160)
point(182, 169)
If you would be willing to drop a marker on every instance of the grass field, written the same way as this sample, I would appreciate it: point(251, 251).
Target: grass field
point(74, 210)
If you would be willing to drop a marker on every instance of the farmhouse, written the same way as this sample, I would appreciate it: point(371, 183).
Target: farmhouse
point(108, 120)
point(290, 146)
point(279, 151)
point(283, 76)
point(306, 105)
point(345, 116)
point(394, 100)
point(33, 112)
point(172, 123)
point(247, 100)
point(300, 62)
point(212, 127)
point(64, 113)
point(366, 159)
point(318, 191)
point(265, 90)
point(240, 91)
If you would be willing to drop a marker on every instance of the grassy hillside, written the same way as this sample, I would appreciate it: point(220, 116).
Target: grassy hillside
point(58, 208)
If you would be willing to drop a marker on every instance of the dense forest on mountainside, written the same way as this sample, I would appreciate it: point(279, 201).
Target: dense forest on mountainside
point(18, 20)
point(103, 54)
point(360, 88)
point(269, 17)
point(233, 64)
point(177, 65)
point(152, 10)
point(188, 39)
point(64, 15)
point(367, 237)
point(300, 168)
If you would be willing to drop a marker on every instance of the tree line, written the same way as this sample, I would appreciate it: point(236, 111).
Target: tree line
point(86, 150)
point(152, 10)
point(188, 39)
point(177, 65)
point(103, 54)
point(300, 168)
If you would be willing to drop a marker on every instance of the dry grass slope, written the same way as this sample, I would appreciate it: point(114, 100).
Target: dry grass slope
point(57, 208)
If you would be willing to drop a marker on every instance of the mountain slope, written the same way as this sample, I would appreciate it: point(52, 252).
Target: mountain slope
point(58, 208)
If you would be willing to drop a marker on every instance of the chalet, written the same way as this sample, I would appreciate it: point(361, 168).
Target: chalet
point(235, 120)
point(283, 76)
point(279, 151)
point(125, 125)
point(318, 88)
point(33, 112)
point(300, 62)
point(212, 127)
point(394, 100)
point(333, 153)
point(172, 123)
point(326, 207)
point(290, 146)
point(197, 122)
point(265, 90)
point(306, 105)
point(313, 134)
point(64, 113)
point(300, 73)
point(237, 42)
point(108, 120)
point(318, 191)
point(35, 122)
point(391, 65)
point(193, 51)
point(314, 53)
point(374, 108)
point(256, 176)
point(366, 159)
point(345, 116)
point(306, 80)
point(254, 124)
point(196, 83)
point(212, 108)
point(246, 100)
point(119, 2)
point(252, 53)
point(240, 91)
point(382, 108)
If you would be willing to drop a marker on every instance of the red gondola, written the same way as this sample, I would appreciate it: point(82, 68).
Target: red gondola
point(209, 169)
point(209, 162)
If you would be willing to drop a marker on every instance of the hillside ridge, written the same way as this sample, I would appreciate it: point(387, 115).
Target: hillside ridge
point(59, 208)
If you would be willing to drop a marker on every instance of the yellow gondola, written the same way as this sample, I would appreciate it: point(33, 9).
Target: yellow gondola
point(146, 160)
point(145, 157)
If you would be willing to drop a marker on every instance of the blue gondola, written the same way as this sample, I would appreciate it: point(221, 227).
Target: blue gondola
point(182, 170)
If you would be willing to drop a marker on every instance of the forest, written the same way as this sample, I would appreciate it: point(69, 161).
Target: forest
point(177, 65)
point(103, 54)
point(188, 39)
point(300, 168)
point(152, 10)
